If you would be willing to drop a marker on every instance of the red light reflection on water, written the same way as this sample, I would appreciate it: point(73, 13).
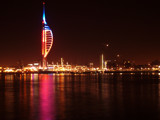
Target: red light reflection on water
point(47, 97)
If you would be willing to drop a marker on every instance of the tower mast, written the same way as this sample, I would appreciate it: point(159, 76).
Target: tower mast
point(47, 39)
point(43, 38)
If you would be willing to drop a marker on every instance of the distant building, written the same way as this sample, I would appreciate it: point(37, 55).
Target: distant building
point(102, 62)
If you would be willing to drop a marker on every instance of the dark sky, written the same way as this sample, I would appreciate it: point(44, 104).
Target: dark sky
point(81, 29)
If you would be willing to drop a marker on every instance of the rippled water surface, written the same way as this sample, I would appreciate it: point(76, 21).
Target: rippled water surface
point(80, 97)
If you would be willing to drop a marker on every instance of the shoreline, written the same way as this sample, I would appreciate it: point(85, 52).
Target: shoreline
point(88, 72)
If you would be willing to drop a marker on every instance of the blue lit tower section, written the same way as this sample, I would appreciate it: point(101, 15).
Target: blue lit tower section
point(47, 39)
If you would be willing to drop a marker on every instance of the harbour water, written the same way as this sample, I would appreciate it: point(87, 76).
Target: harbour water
point(111, 96)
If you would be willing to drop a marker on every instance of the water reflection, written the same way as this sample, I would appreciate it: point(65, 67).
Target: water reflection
point(76, 97)
point(9, 95)
point(47, 97)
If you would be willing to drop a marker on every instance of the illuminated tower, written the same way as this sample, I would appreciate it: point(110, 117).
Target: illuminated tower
point(47, 39)
point(102, 62)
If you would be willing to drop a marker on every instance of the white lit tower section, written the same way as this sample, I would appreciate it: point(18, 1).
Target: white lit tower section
point(47, 40)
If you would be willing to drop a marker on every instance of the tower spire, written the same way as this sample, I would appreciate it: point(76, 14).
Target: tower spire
point(44, 17)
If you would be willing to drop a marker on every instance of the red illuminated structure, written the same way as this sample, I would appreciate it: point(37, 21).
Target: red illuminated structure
point(47, 39)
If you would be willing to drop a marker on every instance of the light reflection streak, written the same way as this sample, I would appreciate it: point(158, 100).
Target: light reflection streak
point(9, 96)
point(61, 94)
point(47, 97)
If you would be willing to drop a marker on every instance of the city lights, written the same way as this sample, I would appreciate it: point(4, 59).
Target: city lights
point(105, 66)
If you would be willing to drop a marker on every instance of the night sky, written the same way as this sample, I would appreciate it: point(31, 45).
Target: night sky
point(81, 30)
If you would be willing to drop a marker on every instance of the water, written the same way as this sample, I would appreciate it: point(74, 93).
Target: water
point(80, 97)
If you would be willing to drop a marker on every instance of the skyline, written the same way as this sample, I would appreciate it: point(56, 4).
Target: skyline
point(81, 31)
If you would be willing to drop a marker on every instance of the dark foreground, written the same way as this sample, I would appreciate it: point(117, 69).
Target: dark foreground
point(112, 96)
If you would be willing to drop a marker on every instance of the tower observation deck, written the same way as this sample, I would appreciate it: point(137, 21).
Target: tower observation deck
point(47, 39)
